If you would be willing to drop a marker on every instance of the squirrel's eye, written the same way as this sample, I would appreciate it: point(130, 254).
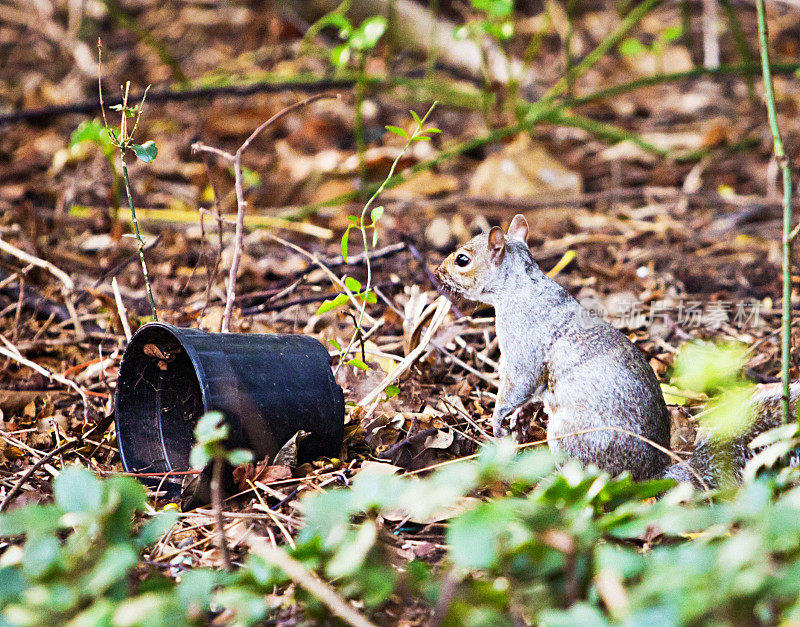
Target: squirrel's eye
point(462, 260)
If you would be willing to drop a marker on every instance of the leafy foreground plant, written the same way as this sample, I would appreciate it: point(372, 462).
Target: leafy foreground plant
point(548, 547)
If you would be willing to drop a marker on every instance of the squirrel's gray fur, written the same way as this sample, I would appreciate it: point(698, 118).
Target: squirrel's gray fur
point(587, 374)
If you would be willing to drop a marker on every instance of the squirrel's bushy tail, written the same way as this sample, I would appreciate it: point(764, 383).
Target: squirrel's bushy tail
point(709, 457)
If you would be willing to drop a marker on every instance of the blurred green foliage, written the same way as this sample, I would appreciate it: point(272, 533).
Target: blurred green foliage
point(555, 547)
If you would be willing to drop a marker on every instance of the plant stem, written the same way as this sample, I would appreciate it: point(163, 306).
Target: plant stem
point(216, 499)
point(362, 226)
point(139, 241)
point(783, 163)
point(129, 23)
point(562, 85)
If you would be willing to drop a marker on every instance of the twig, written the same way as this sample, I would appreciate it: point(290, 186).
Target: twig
point(242, 203)
point(62, 276)
point(783, 163)
point(710, 34)
point(216, 498)
point(33, 468)
point(17, 356)
point(212, 276)
point(270, 305)
point(313, 258)
point(321, 590)
point(123, 314)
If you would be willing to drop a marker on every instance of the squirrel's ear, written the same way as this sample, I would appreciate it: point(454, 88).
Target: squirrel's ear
point(497, 244)
point(518, 229)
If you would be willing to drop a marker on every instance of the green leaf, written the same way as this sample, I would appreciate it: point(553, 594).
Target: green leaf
point(354, 285)
point(335, 344)
point(345, 243)
point(12, 584)
point(195, 587)
point(369, 32)
point(145, 152)
point(462, 32)
point(91, 131)
point(78, 490)
point(41, 556)
point(707, 368)
point(157, 526)
point(353, 551)
point(32, 519)
point(631, 47)
point(211, 428)
point(328, 305)
point(199, 457)
point(672, 33)
point(416, 117)
point(376, 214)
point(336, 20)
point(239, 456)
point(209, 433)
point(369, 297)
point(433, 129)
point(340, 56)
point(391, 391)
point(358, 364)
point(113, 566)
point(496, 8)
point(397, 131)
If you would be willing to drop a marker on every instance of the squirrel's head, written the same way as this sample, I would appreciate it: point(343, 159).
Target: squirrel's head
point(481, 266)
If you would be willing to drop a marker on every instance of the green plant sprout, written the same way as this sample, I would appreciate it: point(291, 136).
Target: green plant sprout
point(94, 132)
point(357, 43)
point(145, 151)
point(496, 22)
point(364, 224)
point(632, 47)
point(211, 433)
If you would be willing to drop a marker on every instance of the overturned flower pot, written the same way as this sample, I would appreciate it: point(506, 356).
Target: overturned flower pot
point(267, 386)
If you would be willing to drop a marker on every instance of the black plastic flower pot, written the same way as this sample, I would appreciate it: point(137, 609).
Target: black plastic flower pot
point(267, 386)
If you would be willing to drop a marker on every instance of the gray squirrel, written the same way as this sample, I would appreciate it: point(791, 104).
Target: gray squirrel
point(603, 401)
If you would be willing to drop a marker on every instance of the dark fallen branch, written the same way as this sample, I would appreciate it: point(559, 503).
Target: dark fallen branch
point(177, 95)
point(404, 448)
point(35, 302)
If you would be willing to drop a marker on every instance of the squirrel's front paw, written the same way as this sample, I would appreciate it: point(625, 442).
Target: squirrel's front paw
point(498, 430)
